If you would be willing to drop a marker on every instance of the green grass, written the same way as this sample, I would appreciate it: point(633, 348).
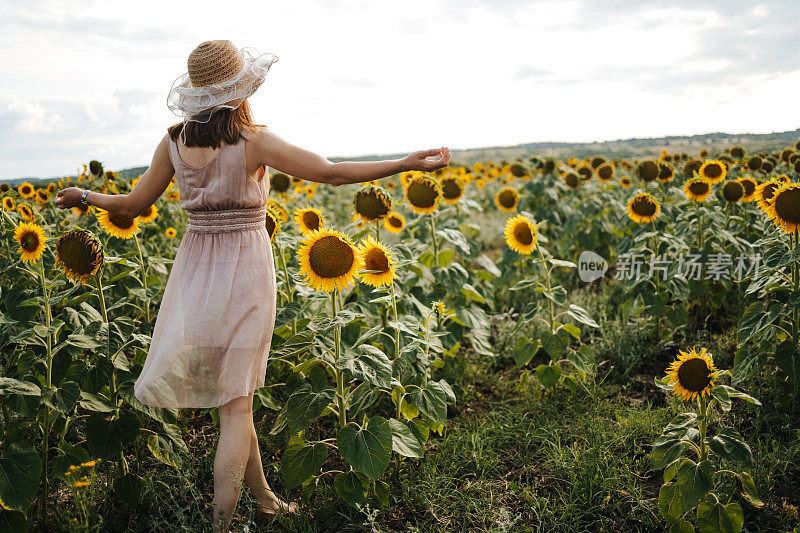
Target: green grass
point(509, 460)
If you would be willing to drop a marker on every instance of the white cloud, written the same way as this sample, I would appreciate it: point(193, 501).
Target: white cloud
point(88, 80)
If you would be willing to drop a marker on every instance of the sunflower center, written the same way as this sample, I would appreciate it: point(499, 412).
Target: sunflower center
point(605, 172)
point(749, 186)
point(422, 194)
point(77, 256)
point(375, 259)
point(698, 188)
point(643, 207)
point(311, 220)
point(733, 191)
point(451, 190)
point(395, 222)
point(693, 375)
point(571, 180)
point(713, 170)
point(331, 257)
point(523, 234)
point(371, 205)
point(648, 170)
point(280, 182)
point(270, 225)
point(507, 198)
point(787, 205)
point(769, 191)
point(120, 221)
point(29, 241)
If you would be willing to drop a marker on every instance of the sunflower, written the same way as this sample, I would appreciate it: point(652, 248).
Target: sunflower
point(755, 163)
point(605, 172)
point(394, 222)
point(170, 232)
point(597, 161)
point(480, 183)
point(26, 212)
point(51, 187)
point(732, 191)
point(31, 239)
point(26, 190)
point(647, 170)
point(272, 223)
point(8, 203)
point(281, 211)
point(625, 181)
point(737, 152)
point(692, 373)
point(643, 208)
point(371, 203)
point(665, 172)
point(784, 209)
point(518, 170)
point(135, 180)
point(585, 171)
point(712, 170)
point(279, 182)
point(765, 192)
point(507, 199)
point(148, 215)
point(308, 219)
point(117, 225)
point(697, 189)
point(173, 194)
point(749, 185)
point(310, 191)
point(42, 196)
point(572, 180)
point(782, 179)
point(328, 259)
point(376, 257)
point(691, 166)
point(80, 254)
point(453, 188)
point(422, 194)
point(520, 234)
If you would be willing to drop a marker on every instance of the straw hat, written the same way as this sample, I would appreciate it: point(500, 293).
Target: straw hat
point(218, 76)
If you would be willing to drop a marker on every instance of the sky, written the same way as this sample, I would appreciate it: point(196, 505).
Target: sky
point(83, 80)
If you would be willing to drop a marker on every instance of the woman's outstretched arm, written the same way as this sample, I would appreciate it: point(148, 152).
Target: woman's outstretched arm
point(285, 157)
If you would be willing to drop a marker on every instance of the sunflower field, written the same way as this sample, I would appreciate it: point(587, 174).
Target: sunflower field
point(543, 344)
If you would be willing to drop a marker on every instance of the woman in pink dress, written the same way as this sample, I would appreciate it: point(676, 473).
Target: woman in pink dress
point(212, 335)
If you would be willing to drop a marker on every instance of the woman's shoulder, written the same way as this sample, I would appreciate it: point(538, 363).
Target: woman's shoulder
point(256, 134)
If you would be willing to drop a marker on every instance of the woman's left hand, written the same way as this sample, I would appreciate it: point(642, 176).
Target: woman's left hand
point(69, 197)
point(418, 160)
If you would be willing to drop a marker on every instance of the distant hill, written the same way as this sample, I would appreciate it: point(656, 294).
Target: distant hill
point(622, 148)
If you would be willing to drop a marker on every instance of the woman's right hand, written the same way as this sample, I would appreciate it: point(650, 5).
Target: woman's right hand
point(419, 160)
point(69, 197)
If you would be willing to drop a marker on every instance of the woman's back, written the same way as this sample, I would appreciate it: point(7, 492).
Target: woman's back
point(218, 179)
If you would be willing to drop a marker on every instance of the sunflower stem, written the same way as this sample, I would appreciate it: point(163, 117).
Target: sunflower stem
point(144, 279)
point(703, 426)
point(289, 289)
point(397, 323)
point(104, 312)
point(339, 376)
point(46, 425)
point(796, 284)
point(378, 230)
point(433, 239)
point(549, 291)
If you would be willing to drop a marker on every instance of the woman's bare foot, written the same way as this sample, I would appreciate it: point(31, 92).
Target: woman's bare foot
point(279, 507)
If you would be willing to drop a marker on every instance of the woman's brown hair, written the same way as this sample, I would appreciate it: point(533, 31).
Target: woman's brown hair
point(224, 125)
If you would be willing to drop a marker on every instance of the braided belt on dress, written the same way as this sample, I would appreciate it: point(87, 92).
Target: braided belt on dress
point(227, 220)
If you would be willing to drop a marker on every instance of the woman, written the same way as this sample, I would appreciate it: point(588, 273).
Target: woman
point(212, 335)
